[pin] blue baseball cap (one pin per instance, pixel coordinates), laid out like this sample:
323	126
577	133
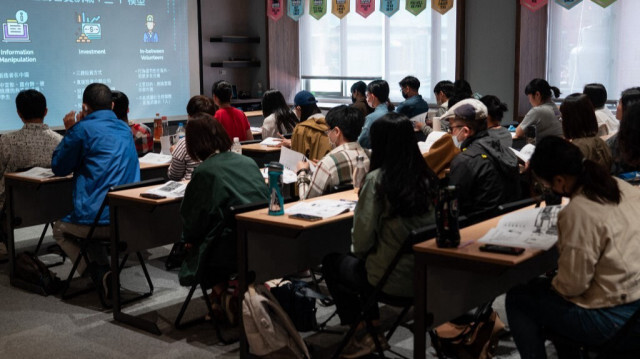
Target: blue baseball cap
304	98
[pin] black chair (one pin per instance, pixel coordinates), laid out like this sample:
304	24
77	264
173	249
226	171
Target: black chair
201	280
341	187
106	242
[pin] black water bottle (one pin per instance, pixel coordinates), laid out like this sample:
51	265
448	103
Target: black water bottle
530	134
448	235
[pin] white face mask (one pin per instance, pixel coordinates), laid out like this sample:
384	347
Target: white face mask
456	142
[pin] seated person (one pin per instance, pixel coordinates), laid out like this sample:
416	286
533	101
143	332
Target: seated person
440	155
394	200
309	137
495	112
608	124
485	173
620	165
378	99
413	105
223	179
629	137
28	147
141	133
580	126
544	116
182	165
596	288
98	150
234	121
358	98
336	168
443	91
278	118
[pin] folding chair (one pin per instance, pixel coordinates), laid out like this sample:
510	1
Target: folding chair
106	242
201	279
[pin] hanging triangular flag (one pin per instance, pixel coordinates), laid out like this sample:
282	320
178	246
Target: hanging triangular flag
317	8
442	6
389	7
568	4
416	6
274	9
604	3
340	8
365	7
295	9
533	5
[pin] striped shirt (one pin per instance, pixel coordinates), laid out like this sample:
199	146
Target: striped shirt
181	166
336	168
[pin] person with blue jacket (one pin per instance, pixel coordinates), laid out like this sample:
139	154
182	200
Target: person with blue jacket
413	105
378	98
99	150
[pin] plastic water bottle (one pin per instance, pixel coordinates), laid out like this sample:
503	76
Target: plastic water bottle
236	146
276	201
165	139
448	235
180	132
358	173
157	127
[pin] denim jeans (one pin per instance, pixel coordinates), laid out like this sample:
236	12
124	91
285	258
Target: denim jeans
535	310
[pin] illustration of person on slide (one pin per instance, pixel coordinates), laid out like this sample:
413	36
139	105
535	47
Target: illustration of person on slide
150	35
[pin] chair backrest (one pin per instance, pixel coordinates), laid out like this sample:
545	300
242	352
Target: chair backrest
341	188
480	216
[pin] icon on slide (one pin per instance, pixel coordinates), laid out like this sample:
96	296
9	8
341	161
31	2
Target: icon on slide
90	28
16	30
150	35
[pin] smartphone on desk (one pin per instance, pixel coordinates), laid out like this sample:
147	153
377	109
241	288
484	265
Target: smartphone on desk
305	217
151	195
515	251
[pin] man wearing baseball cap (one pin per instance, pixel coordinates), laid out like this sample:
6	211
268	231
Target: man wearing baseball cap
485	173
309	137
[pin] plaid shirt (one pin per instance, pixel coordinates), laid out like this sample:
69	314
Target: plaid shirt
336	168
142	138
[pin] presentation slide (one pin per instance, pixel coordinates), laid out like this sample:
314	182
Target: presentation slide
147	49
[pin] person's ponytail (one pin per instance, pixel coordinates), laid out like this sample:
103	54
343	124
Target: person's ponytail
597	184
556	91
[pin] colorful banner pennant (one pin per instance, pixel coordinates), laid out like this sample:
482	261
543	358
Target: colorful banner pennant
295	9
390	7
442	6
274	9
340	8
568	4
533	5
365	7
317	8
416	6
604	3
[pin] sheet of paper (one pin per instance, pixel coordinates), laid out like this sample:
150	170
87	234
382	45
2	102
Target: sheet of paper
271	141
256	129
434	136
171	189
290	158
323	208
525	152
534	228
38	172
155	158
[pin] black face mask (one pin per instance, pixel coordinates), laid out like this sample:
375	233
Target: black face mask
405	95
353	99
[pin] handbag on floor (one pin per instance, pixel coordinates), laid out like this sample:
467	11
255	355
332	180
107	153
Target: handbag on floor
31	270
299	301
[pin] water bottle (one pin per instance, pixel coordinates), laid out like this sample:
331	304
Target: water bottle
358	173
165	139
448	235
530	134
180	132
276	202
157	127
236	146
259	86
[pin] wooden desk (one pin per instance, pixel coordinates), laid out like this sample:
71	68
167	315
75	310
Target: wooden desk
31	201
274	246
261	154
141	223
450	282
149	171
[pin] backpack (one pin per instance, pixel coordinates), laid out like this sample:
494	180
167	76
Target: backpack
31	270
299	301
270	333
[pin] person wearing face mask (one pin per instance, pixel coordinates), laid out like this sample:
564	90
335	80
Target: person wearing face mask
337	166
485	172
596	289
378	98
358	98
414	104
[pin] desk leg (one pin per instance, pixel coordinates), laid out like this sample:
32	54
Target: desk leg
242	284
420	308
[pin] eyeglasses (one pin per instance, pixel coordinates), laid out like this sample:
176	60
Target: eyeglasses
451	128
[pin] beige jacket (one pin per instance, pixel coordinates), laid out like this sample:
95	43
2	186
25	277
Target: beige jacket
599	247
310	139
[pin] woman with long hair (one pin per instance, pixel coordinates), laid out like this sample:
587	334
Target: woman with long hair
377	98
597	285
278	118
544	116
396	197
580	126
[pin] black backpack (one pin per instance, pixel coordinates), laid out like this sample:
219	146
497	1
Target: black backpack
31	270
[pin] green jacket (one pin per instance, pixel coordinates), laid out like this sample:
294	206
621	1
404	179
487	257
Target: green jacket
221	181
377	236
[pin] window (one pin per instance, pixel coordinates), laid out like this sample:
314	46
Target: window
593	44
336	53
